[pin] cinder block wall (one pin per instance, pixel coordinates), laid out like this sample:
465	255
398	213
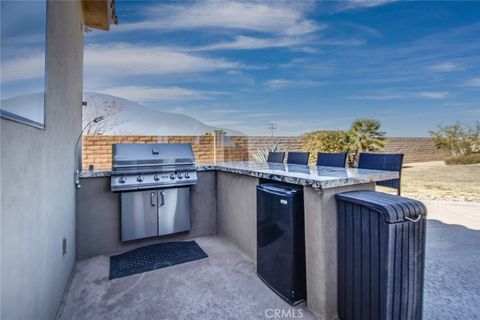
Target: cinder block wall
415	149
97	149
287	143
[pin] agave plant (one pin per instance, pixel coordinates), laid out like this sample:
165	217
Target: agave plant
262	154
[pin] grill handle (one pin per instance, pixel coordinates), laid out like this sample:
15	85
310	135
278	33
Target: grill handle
162	196
153	199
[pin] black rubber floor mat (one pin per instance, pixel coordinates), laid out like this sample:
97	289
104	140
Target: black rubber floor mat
153	257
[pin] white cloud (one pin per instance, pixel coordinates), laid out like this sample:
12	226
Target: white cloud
295	43
23	68
404	95
343	42
282	24
361	29
241	77
277	84
285	23
434	94
246	42
146	94
358	4
380	97
446	67
278	18
123	60
474	82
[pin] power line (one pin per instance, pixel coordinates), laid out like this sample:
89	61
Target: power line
272	126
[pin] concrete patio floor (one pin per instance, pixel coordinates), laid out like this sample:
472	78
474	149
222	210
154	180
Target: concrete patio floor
225	286
452	270
222	286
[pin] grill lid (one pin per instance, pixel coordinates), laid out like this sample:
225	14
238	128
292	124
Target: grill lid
150	166
133	157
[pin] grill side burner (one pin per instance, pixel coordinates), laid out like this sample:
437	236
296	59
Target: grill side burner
154	181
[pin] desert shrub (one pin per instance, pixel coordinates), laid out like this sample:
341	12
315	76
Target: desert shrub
363	136
472	158
458	139
324	141
261	155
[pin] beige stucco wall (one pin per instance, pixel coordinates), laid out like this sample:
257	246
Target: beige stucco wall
37	189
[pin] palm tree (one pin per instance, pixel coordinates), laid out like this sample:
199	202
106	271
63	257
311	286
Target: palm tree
365	135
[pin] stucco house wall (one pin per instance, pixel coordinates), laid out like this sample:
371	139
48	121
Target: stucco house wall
37	187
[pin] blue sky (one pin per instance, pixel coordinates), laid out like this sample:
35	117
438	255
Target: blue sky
304	65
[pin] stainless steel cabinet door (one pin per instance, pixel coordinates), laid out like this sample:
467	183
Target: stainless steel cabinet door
173	210
139	215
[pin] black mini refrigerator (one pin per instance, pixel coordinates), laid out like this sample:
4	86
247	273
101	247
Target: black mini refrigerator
281	240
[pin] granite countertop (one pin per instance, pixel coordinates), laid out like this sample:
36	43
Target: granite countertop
95	174
107	173
315	177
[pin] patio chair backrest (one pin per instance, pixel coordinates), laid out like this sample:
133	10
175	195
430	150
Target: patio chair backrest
276	157
383	161
298	158
331	159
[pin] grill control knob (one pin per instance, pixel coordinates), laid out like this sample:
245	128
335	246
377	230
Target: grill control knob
187	175
179	175
172	176
139	178
156	178
122	180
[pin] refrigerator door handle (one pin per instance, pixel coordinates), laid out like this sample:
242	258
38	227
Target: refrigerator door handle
276	191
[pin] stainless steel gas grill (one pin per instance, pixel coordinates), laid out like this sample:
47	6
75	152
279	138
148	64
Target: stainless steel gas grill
154	181
147	166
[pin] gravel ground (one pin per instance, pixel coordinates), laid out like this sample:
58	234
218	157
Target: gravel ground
437	181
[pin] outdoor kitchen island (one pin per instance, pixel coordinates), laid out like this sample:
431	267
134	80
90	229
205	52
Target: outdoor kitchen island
234	185
236	206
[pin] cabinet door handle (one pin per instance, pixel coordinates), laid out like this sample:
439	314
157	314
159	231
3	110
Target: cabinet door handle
153	199
162	196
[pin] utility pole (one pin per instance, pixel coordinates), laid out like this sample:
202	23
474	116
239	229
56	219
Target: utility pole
272	126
